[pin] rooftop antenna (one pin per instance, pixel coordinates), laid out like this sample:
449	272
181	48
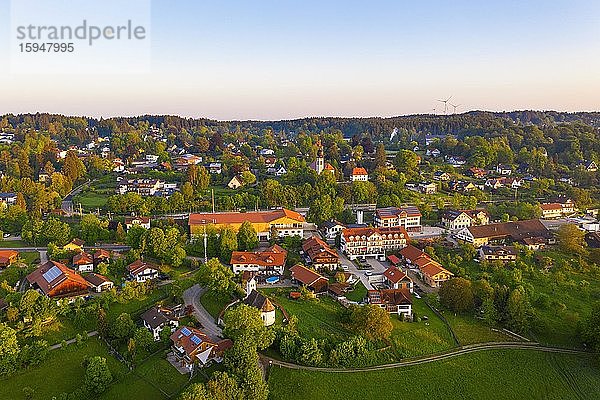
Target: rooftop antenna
455	107
445	104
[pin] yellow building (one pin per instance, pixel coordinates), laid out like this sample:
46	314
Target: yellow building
75	245
280	222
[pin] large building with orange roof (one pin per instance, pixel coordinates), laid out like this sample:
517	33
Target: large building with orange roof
279	223
372	242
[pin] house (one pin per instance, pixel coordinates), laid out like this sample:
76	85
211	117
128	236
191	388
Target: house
319	164
215	168
83	262
8	257
269	261
338	290
372	242
193	348
281	222
431	271
101	256
313	281
476	172
236	182
266	152
456	161
258	300
394	301
433	153
560	208
531	232
118	165
512	183
144	222
494	183
589	166
98	283
503	169
396	279
320	255
441	176
56	280
359	174
458	219
158	318
427	187
331	229
462	187
8	199
75	245
408	217
141	271
500	253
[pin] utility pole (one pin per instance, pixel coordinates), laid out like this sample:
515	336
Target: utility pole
212	195
205	244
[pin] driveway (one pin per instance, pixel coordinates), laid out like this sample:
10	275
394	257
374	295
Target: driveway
192	297
353	270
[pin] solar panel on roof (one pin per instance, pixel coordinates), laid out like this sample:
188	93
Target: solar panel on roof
196	339
52	274
186	332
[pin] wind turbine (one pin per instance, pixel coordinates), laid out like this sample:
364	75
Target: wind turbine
455	106
445	104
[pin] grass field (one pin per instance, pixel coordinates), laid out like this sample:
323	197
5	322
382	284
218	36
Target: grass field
470	330
316	318
90	200
61	372
358	293
498	375
213	304
411	339
11	244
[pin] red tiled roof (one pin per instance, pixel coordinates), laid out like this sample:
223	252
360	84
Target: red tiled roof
305	275
393	297
6	255
66	274
315	247
185	341
394	274
96	279
238	218
138	266
393	259
273	256
359	171
82	259
551	206
411	253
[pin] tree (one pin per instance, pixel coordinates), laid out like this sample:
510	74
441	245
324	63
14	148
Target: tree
217	277
489	312
591	328
246	237
228	243
97	375
457	294
571	238
120	235
518	310
311	353
246	321
371	321
9	349
92	228
73	167
406	161
135	235
380	156
123	327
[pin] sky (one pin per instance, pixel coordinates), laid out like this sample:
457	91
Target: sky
281	59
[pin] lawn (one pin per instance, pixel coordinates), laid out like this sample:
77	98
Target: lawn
90	200
213	303
498	375
137	306
411	339
159	371
318	318
61	372
11	244
470	330
357	294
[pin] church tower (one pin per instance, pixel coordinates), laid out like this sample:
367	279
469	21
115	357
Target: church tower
320	163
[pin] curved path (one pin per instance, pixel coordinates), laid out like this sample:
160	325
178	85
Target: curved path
427	359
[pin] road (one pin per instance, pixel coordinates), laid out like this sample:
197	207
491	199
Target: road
59	345
427	359
67	202
192	297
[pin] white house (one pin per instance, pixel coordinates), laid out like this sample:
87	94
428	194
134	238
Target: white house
141	271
